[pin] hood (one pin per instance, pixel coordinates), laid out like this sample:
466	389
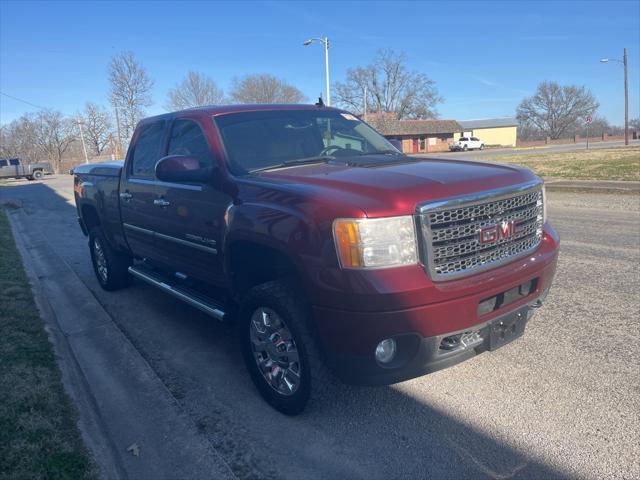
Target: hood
397	188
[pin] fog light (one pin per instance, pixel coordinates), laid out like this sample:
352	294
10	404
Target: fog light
386	350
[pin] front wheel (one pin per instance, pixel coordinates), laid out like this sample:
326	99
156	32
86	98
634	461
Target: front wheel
481	147
278	348
464	149
111	267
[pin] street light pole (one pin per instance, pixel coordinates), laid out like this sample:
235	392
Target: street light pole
626	92
626	100
326	68
325	42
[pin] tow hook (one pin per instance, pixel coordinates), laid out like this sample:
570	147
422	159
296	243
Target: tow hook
536	304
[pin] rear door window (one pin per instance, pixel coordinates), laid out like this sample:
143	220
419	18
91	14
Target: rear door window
3	163
147	150
188	139
14	162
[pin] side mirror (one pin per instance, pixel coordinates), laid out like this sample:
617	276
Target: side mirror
181	168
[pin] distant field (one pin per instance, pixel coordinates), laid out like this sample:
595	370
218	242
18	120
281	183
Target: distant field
622	163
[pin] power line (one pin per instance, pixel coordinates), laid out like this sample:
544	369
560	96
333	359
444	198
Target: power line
23	101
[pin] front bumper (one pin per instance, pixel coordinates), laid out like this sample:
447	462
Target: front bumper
419	356
349	337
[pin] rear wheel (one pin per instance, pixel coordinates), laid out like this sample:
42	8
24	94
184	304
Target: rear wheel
37	175
278	348
481	147
111	267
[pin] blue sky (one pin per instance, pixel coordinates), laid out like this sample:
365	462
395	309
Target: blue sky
484	56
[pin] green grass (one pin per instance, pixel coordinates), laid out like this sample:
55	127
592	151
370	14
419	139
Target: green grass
38	433
621	163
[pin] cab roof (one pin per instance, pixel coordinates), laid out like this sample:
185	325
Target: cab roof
215	110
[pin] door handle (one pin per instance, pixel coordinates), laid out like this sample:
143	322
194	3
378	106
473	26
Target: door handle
161	202
126	196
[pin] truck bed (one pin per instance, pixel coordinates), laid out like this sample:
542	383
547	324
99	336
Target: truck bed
96	189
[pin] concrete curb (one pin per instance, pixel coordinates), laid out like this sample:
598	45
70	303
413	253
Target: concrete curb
121	400
597	186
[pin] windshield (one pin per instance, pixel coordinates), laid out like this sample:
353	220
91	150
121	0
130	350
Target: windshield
271	139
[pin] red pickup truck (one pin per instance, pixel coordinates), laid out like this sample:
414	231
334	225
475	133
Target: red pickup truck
335	253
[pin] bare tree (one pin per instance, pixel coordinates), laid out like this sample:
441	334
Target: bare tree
195	90
390	87
264	88
54	134
17	139
98	128
130	91
557	110
634	123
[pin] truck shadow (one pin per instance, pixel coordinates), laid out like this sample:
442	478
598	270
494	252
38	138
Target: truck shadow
351	432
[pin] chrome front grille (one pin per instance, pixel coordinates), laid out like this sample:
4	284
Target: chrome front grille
455	231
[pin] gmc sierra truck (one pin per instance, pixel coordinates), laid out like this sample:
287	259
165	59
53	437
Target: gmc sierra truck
14	168
333	252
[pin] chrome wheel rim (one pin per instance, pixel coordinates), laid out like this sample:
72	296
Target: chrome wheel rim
101	260
275	351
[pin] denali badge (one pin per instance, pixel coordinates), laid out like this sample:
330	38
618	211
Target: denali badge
501	231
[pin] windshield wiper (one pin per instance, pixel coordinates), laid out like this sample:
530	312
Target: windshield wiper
296	161
383	152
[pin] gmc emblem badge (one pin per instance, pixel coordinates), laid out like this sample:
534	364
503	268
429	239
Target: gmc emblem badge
500	231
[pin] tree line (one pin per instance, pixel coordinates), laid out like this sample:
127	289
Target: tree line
385	85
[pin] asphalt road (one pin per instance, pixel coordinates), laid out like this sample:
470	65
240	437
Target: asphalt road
561	402
497	152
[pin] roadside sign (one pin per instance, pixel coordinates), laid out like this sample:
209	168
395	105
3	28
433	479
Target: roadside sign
589	119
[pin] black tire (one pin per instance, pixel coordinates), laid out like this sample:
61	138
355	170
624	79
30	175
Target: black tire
481	147
464	148
113	273
37	175
285	300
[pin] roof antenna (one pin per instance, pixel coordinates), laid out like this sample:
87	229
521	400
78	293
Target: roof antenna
320	102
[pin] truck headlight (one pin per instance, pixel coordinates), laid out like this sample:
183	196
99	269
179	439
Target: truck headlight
376	242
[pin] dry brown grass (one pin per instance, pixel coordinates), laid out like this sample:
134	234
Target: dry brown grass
622	163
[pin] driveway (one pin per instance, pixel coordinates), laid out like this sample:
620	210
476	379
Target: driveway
561	402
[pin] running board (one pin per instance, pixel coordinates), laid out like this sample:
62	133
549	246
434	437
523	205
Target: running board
194	299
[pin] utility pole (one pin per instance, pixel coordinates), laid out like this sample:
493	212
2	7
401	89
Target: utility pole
84	147
626	100
364	101
119	145
626	91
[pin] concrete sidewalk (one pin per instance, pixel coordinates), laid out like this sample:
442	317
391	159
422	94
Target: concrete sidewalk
131	423
593	185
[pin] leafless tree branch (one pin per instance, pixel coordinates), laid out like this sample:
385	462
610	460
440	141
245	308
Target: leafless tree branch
130	90
195	90
264	88
390	86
